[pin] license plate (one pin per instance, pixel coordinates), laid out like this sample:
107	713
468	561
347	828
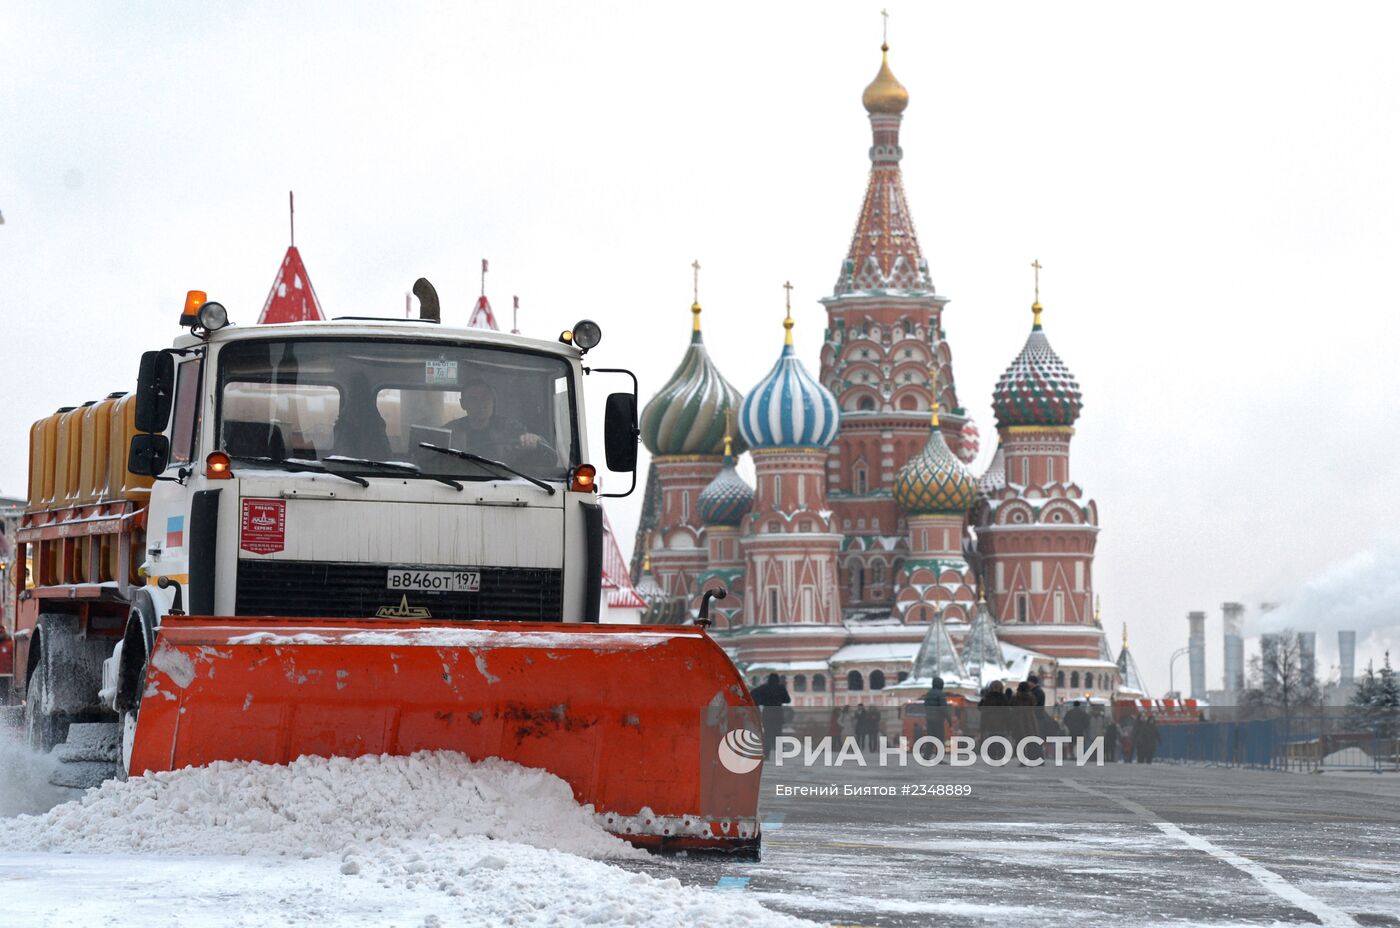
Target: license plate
435	581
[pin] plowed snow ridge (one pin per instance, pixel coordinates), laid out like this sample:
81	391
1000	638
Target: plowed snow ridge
477	844
316	806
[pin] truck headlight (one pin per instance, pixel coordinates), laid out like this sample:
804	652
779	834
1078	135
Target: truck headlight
587	334
213	316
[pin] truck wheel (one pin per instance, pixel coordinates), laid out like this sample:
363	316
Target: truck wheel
42	728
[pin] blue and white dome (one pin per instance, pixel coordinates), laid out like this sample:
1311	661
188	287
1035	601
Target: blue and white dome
789	408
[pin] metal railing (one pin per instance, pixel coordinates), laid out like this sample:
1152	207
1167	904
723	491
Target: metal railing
1303	744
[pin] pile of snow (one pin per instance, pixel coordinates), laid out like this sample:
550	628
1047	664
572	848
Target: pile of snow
432	839
316	806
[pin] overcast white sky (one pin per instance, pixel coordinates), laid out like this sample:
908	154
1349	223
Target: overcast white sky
1212	189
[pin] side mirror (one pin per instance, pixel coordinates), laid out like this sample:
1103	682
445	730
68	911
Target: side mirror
149	455
620	433
155	390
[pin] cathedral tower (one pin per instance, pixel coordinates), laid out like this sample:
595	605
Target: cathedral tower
884	352
683	427
723	505
935	490
1035	530
790	547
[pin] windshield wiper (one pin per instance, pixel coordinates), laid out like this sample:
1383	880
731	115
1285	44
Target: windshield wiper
478	459
296	464
400	466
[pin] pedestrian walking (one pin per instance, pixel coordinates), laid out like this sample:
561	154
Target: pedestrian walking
848	726
862	726
1112	741
1023	723
993	718
1076	721
936	711
1148	738
771	697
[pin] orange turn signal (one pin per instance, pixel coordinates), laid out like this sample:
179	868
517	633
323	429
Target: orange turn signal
217	466
585	479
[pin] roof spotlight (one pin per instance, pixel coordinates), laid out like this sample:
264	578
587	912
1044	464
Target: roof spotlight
212	317
587	334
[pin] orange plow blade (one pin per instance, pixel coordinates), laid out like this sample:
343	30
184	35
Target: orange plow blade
633	717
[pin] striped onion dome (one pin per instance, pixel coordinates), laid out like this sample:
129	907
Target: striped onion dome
687	415
728	498
934	481
1037	389
788	408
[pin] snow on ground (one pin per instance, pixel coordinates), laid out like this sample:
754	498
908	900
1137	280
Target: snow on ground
432	839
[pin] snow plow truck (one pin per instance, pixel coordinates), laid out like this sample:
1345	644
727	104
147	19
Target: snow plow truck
363	536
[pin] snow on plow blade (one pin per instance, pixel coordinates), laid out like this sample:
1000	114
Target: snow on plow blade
632	717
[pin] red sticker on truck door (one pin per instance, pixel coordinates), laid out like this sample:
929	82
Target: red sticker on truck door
264	526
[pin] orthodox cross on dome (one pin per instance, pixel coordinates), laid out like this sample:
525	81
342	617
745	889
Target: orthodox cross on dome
484	268
1035	307
885	28
728	432
292	217
787	321
695	306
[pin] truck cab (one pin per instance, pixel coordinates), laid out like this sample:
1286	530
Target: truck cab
371	468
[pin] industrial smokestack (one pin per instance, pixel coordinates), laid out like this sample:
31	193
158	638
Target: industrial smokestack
1346	647
1197	642
1234	647
1307	656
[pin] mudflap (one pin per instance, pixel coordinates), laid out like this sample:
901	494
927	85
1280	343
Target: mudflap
651	725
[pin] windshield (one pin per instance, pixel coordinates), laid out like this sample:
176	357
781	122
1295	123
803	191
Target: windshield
378	401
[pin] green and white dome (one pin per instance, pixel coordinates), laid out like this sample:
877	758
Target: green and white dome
687	415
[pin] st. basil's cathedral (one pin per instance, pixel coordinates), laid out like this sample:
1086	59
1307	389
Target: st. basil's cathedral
868	558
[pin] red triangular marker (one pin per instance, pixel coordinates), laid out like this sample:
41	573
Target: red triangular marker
292	298
482	317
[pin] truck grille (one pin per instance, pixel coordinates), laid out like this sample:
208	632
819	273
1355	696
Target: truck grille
338	590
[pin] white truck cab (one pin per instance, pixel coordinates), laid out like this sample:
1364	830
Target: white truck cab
369	468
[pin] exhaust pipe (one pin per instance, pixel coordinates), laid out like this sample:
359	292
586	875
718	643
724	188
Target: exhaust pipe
715	592
429	310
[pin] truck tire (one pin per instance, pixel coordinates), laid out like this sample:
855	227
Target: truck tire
136	644
43	728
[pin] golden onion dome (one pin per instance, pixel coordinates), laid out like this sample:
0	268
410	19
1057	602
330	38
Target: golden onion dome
885	94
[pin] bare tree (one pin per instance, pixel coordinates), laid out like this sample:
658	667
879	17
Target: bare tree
1281	677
